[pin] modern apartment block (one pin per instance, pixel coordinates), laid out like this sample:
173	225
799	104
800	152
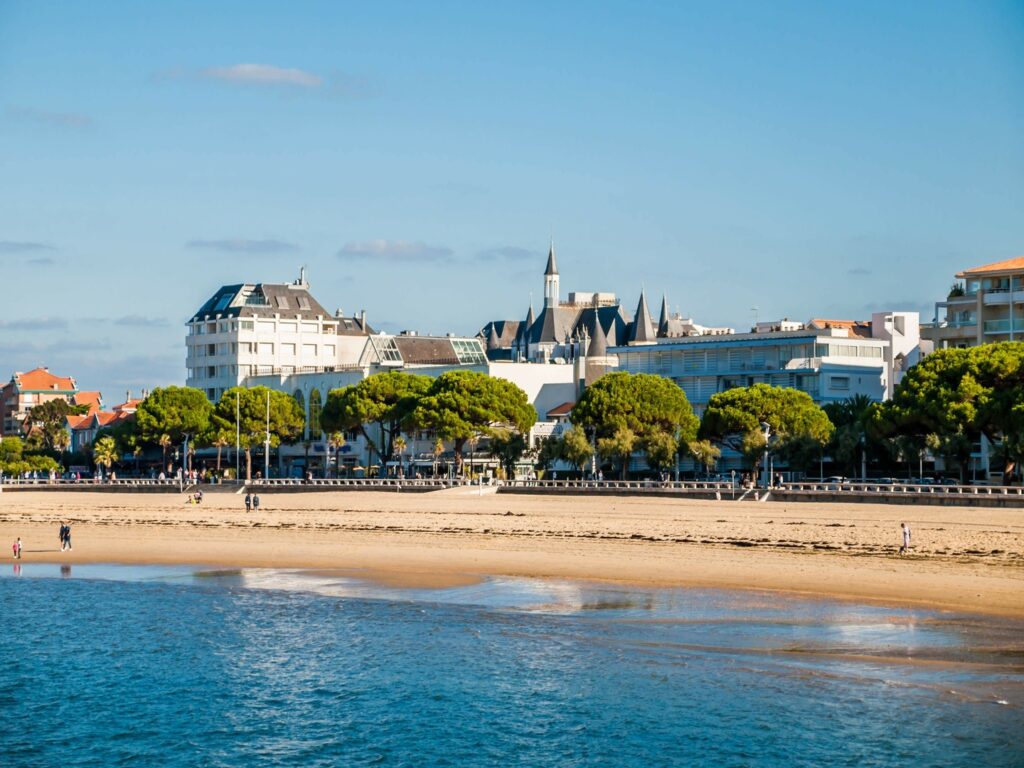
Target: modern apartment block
265	328
987	306
29	389
831	360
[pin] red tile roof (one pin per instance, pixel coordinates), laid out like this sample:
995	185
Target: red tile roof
1007	265
128	405
92	399
40	379
561	410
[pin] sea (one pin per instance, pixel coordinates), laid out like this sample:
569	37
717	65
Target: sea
108	665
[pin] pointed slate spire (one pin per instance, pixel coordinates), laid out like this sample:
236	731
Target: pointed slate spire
552	268
492	339
599	341
643	329
663	322
529	317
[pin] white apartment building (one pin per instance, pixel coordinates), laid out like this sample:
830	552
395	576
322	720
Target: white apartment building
253	329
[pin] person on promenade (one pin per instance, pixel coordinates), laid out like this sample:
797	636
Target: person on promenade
906	538
248	503
255	503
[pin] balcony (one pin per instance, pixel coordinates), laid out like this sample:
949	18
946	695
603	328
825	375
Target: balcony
1004	326
1002	297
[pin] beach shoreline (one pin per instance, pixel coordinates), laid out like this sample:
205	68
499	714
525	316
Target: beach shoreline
965	560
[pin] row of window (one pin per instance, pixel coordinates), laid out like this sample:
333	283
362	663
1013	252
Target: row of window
262	348
263	326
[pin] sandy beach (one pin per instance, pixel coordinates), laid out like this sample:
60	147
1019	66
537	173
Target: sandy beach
963	559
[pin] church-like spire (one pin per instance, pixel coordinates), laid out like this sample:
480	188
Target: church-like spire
599	341
643	328
663	322
530	317
552	268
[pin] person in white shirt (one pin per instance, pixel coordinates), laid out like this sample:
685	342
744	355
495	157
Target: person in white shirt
906	538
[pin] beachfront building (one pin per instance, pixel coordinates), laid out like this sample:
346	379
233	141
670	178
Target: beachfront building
546	387
254	329
985	305
26	390
586	325
831	360
84	428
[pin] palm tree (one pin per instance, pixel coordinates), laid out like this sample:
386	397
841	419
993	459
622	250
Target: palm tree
400	446
337	442
104	452
220	441
438	450
165	444
705	452
61	440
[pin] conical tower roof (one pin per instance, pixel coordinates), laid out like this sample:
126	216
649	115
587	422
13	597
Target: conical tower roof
599	341
643	329
663	322
552	268
530	317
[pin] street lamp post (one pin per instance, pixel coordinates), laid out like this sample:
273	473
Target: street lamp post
266	451
767	435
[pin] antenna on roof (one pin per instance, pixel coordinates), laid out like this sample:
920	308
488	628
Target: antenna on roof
302	276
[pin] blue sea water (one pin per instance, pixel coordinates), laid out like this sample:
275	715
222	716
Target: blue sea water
116	665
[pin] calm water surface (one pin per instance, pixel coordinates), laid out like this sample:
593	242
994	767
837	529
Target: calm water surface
117	665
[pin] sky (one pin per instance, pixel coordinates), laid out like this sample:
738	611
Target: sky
808	159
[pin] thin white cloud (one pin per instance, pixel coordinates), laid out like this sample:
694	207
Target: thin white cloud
139	321
263	74
509	253
395	250
24	246
48	117
34	324
243	245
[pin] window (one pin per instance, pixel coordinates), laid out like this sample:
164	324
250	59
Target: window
469	351
222	327
288	350
309	350
288	327
330	350
211	371
840	382
282	302
303	302
310	328
266	348
265	326
211	349
211	394
234	348
222	302
246	325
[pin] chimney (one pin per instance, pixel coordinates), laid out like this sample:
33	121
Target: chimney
362	318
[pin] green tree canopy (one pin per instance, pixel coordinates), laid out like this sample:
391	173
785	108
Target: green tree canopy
48	422
733	419
575	448
384	400
175	412
953	396
287	421
104	451
508	447
461	405
653	409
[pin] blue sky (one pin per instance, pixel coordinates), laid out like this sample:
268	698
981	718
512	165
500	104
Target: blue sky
807	158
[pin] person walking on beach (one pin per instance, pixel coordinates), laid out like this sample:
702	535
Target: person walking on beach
255	503
14	550
17	549
60	535
66	540
248	503
906	538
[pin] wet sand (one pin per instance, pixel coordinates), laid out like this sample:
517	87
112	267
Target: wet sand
965	559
